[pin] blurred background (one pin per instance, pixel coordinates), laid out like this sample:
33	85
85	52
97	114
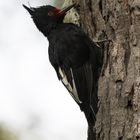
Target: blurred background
34	105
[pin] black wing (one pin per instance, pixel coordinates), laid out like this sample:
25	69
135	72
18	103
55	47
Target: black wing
76	60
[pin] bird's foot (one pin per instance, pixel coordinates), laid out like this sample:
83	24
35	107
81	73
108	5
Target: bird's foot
101	41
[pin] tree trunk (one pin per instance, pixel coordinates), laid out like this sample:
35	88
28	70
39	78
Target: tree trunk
118	116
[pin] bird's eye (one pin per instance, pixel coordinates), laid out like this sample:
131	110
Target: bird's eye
50	13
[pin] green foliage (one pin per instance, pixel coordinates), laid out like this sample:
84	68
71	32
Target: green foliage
58	3
6	134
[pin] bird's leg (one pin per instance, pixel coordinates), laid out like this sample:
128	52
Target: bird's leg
105	49
99	42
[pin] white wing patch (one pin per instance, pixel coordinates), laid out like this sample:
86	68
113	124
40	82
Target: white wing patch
72	89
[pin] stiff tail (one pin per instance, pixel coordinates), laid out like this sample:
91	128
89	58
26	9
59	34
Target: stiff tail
91	133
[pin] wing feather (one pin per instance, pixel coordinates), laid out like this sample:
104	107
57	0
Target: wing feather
71	87
85	82
80	84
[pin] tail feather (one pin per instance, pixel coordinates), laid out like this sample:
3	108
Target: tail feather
91	133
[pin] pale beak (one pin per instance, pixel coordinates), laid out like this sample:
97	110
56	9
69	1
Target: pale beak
65	9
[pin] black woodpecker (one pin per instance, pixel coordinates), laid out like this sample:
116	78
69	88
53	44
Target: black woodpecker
74	56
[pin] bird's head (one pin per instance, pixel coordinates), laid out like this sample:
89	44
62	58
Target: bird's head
47	17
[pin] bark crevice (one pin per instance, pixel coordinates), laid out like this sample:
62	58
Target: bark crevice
118	117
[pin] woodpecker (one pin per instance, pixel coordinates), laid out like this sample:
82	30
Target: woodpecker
74	56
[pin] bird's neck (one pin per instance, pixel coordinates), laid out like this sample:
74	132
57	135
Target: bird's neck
50	28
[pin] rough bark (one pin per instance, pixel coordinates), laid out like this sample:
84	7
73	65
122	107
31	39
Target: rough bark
118	117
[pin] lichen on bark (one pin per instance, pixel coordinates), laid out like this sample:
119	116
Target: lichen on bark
72	15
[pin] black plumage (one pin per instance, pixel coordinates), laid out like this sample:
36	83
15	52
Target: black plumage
75	58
